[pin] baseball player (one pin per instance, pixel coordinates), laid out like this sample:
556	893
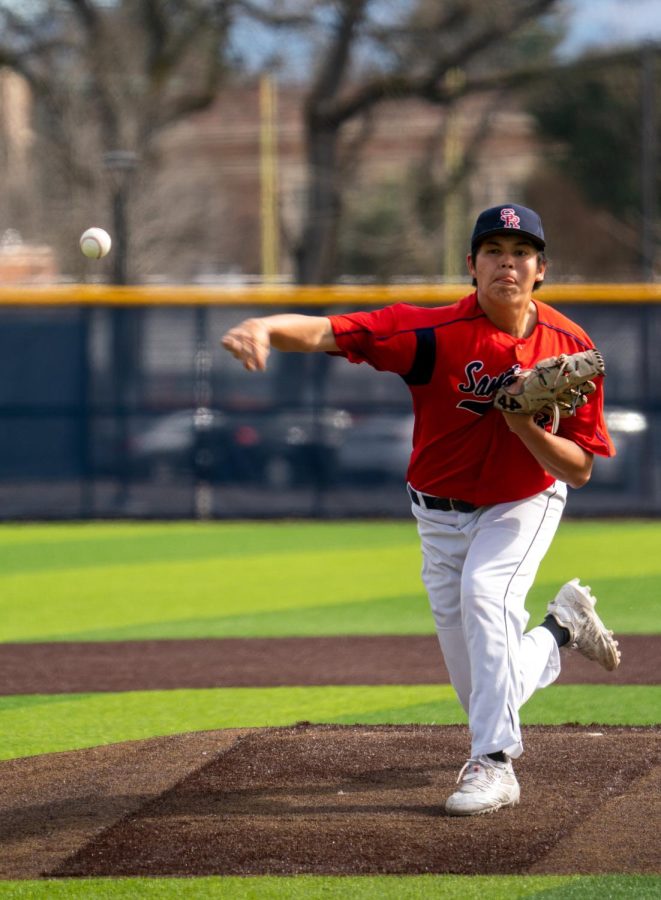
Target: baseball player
487	482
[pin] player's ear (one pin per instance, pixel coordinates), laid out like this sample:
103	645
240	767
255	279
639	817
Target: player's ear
541	268
470	265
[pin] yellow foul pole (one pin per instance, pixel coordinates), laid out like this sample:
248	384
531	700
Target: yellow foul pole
453	258
268	158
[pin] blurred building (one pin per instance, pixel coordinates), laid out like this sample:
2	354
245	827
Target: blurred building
197	205
15	127
221	146
21	262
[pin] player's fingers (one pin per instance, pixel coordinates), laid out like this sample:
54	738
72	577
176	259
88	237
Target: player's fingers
249	343
239	352
250	352
260	355
232	343
238	344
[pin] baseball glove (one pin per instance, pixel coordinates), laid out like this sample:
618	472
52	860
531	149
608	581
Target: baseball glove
556	387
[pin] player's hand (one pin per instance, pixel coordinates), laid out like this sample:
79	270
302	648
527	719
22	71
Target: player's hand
518	423
249	342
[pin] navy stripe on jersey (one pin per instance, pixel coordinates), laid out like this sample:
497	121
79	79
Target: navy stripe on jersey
425	357
431	327
601	438
387	337
568	333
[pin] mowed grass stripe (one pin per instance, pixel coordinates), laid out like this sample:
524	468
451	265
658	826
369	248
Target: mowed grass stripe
313	887
36	724
58	604
126	581
32	548
604	548
403	614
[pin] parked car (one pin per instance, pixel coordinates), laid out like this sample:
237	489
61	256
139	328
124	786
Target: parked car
302	446
377	448
276	448
200	442
627	428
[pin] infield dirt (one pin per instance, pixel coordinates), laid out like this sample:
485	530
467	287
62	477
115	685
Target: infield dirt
330	800
337	800
67	667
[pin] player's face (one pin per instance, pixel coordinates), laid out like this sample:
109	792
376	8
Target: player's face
506	267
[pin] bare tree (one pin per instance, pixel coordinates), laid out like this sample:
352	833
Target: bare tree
106	79
368	52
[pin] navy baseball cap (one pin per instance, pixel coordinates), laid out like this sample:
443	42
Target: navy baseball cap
507	219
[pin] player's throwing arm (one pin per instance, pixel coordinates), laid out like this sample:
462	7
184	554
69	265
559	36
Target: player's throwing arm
251	340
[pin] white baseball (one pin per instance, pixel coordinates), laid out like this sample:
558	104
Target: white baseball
95	243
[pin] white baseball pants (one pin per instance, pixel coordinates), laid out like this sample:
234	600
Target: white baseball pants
478	568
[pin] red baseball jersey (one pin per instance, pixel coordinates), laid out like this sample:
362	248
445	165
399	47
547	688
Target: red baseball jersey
453	360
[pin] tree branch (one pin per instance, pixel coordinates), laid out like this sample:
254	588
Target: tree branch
183	104
96	49
87	13
156	26
447	19
351	151
275	19
428	85
526	75
35	43
332	71
487	37
441	92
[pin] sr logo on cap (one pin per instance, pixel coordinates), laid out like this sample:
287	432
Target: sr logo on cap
501	219
510	218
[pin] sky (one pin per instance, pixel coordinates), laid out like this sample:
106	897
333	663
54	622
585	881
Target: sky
592	24
596	23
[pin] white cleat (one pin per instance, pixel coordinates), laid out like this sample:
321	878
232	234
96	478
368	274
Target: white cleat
485	786
573	609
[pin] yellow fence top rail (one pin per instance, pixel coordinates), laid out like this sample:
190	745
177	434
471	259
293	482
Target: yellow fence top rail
296	295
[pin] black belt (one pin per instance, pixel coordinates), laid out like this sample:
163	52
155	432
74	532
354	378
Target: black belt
445	504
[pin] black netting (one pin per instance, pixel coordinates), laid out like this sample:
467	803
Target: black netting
112	412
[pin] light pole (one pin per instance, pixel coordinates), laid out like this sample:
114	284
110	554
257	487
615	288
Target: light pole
649	160
120	166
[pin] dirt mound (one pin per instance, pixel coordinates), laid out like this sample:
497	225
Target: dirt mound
332	800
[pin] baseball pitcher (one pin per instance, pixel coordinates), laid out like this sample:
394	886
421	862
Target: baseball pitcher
508	401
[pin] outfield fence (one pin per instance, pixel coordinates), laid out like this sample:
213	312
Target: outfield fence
119	402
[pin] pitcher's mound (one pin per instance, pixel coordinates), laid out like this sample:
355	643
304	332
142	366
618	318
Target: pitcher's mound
369	799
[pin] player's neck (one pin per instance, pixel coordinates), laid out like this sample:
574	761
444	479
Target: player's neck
517	319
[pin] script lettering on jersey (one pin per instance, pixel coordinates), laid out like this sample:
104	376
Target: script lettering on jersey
484	386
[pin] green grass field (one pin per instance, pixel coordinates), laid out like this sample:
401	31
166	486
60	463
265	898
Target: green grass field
306	887
129	581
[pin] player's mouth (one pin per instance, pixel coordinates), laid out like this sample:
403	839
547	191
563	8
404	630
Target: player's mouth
506	279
